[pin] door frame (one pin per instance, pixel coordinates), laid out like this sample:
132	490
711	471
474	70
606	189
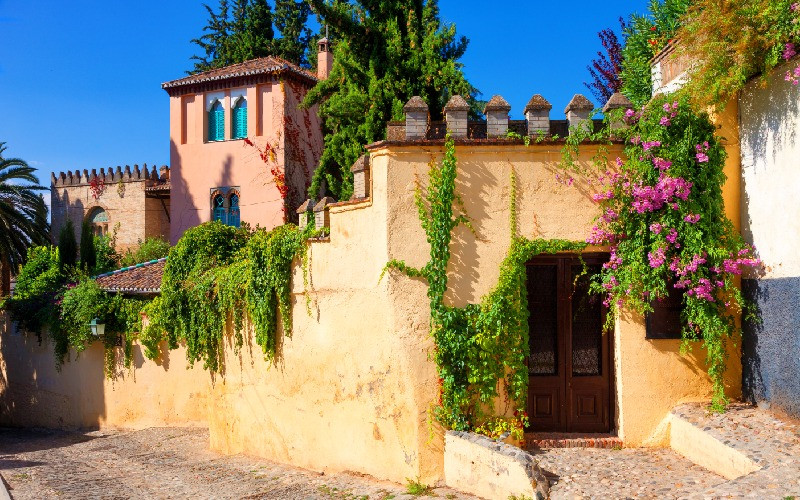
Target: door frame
564	345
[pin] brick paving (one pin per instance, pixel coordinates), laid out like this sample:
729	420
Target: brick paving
165	463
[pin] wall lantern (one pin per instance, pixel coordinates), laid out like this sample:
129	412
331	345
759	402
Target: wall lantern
98	328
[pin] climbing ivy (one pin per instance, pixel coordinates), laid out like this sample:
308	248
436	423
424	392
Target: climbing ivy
218	273
482	347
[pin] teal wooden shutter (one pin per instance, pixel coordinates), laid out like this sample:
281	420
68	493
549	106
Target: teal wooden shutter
240	120
216	123
233	211
219	212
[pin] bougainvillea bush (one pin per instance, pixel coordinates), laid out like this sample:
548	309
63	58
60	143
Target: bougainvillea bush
663	217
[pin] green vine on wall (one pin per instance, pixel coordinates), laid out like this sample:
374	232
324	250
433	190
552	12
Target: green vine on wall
218	273
479	348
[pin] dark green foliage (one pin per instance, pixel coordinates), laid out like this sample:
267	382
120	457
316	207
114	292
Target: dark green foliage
67	245
150	249
23	213
384	53
291	19
88	250
240	30
644	37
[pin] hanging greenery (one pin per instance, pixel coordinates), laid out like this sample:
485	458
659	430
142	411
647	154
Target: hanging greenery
663	217
216	273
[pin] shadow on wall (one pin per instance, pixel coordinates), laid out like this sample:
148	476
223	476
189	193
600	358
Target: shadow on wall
771	346
184	213
766	110
63	210
33	393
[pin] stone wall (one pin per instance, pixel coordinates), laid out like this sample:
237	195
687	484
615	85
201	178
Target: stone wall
481	466
770	147
131	213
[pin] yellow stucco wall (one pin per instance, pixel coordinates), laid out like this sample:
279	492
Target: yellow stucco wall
354	385
34	394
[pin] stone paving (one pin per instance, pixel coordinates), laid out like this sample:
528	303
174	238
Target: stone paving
165	463
770	442
175	463
624	473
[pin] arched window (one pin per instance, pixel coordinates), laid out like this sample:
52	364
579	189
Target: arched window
220	212
98	218
233	210
225	206
240	119
216	122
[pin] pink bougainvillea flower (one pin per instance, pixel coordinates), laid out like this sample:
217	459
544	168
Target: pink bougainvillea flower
692	218
661	163
789	51
665	122
656	228
702	158
657	258
650	145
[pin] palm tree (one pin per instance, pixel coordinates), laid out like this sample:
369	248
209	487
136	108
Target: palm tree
23	212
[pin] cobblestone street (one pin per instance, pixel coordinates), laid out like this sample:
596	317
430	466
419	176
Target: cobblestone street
164	463
176	463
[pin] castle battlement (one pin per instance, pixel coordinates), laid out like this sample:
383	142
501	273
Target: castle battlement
152	175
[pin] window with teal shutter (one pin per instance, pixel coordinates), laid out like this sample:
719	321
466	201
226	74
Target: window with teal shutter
220	212
240	119
216	122
233	211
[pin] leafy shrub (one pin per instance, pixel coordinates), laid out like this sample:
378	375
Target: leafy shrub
39	283
150	249
107	258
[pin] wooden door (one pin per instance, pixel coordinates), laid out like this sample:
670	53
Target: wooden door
569	366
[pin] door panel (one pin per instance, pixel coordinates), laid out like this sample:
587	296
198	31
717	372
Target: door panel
569	366
546	389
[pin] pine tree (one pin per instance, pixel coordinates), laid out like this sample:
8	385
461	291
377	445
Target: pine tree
385	52
291	19
245	29
214	41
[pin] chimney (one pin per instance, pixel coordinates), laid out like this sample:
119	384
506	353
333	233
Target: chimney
324	57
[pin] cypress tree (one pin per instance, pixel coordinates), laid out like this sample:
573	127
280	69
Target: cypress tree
67	246
385	52
88	251
215	40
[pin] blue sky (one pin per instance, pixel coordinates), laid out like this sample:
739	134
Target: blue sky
81	79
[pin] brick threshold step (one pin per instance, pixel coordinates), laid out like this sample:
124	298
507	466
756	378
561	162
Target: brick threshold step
544	440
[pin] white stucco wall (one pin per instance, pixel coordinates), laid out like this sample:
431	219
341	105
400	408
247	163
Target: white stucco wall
770	138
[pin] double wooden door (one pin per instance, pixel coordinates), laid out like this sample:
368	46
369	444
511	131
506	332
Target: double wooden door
569	366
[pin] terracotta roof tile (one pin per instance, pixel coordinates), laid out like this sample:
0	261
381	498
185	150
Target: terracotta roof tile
142	278
260	66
